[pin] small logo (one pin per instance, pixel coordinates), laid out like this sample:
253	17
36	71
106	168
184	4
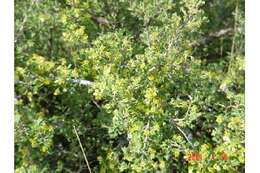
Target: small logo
196	156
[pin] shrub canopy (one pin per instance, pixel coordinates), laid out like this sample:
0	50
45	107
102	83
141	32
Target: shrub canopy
150	86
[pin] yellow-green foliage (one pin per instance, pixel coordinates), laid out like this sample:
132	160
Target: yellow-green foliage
154	97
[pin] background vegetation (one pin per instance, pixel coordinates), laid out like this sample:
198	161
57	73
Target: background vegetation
145	84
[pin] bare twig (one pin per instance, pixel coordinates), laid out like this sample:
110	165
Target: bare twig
178	119
211	36
98	106
222	32
85	157
101	20
76	81
185	136
235	29
82	82
146	127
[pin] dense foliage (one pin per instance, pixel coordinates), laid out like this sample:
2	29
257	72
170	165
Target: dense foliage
149	86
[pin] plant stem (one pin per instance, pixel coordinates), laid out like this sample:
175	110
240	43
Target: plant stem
85	157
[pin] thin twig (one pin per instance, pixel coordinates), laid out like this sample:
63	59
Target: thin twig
76	81
185	136
82	82
146	137
146	127
98	106
235	30
85	157
211	36
178	119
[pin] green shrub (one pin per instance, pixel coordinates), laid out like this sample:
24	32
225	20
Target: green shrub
132	80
